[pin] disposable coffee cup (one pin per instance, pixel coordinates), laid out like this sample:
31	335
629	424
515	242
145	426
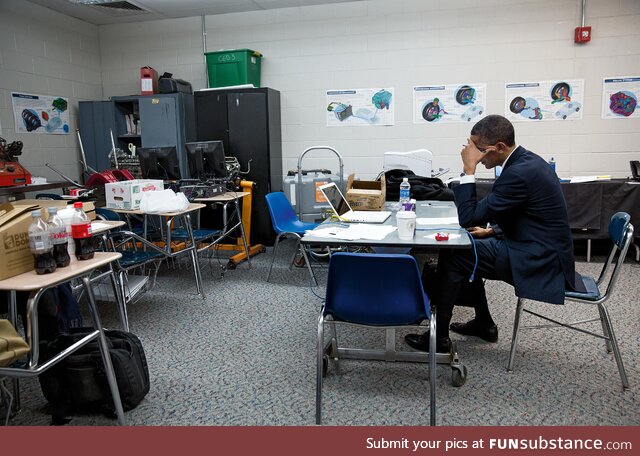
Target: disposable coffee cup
406	223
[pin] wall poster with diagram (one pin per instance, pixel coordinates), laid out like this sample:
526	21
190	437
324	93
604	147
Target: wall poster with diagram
360	107
544	100
446	103
620	97
40	113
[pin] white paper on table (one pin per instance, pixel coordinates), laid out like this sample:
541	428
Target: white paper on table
580	179
437	221
353	232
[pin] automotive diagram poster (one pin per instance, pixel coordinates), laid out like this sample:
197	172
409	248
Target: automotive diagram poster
360	107
449	103
544	100
620	97
40	113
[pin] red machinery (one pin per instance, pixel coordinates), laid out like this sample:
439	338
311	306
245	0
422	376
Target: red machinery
11	172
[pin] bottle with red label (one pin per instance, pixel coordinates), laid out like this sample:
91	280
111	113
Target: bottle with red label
59	238
81	233
40	245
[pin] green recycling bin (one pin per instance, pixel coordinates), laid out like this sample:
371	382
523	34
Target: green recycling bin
233	67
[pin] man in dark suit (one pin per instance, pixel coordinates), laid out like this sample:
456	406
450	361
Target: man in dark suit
535	252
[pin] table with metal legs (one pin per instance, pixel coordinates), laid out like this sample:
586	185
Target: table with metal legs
37	285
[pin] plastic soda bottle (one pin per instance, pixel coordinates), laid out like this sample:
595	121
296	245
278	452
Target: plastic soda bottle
552	163
59	238
40	244
81	233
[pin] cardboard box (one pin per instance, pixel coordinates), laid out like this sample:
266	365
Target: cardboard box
128	194
14	240
148	81
363	195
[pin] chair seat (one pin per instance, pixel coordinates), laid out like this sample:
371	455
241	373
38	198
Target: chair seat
137	258
592	292
296	226
198	235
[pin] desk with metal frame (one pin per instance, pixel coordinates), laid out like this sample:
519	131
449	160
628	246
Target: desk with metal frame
190	245
224	199
421	240
37	285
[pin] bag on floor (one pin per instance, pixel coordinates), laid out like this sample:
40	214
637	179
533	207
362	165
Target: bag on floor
79	383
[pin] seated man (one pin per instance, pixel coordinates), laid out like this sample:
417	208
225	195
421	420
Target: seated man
535	253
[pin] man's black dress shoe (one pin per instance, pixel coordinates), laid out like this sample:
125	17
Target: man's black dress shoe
421	342
472	328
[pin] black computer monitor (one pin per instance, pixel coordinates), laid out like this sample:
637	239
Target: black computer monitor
159	163
206	159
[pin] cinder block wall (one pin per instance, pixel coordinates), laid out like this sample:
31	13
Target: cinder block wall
47	53
384	43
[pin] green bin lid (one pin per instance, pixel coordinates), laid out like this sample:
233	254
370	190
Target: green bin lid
226	51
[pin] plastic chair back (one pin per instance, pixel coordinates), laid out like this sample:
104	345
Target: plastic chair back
283	217
618	227
107	214
375	289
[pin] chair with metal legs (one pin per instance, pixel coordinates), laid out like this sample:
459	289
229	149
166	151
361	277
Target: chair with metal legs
286	223
597	292
392	298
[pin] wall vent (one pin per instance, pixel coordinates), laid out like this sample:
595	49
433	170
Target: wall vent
112	7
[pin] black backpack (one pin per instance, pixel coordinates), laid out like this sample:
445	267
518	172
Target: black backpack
79	383
422	188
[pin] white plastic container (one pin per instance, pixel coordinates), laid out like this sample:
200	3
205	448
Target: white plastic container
406	223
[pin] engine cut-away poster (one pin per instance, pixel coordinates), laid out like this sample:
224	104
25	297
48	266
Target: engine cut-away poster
446	103
40	113
544	100
360	107
620	97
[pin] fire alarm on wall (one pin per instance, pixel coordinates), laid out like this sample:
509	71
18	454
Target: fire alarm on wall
583	34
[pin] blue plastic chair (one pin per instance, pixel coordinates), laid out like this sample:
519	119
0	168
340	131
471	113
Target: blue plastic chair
373	290
621	234
286	223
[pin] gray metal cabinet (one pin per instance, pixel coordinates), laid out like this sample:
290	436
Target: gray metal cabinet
142	120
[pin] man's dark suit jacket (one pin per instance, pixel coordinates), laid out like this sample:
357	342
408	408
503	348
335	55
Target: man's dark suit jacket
527	203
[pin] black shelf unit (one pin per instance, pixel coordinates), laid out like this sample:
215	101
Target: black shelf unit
248	123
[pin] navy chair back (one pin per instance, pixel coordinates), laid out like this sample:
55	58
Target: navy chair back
375	289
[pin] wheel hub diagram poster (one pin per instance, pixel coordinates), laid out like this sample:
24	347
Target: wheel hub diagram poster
40	114
544	100
620	97
360	107
449	103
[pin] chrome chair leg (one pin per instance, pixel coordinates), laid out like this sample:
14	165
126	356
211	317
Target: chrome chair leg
273	257
616	349
319	362
6	398
514	338
432	366
605	329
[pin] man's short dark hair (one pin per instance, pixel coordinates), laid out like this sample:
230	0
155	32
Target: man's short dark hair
493	129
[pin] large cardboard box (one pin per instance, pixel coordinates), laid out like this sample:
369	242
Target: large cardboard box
128	194
14	240
364	195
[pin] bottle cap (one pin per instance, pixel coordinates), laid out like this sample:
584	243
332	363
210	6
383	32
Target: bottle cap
77	205
405	179
36	213
52	210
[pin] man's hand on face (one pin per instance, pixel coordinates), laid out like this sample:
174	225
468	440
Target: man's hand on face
471	156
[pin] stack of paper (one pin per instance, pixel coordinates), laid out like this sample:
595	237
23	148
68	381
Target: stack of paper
352	232
580	179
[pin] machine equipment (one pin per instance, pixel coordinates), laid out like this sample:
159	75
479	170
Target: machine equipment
11	172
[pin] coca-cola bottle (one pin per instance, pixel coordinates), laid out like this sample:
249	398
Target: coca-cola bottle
40	244
59	238
81	233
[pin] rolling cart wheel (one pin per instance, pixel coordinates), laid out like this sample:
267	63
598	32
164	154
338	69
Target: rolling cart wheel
458	375
298	261
231	264
325	365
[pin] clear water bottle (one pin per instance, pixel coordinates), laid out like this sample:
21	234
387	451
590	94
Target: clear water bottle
59	238
405	192
81	233
552	163
40	244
